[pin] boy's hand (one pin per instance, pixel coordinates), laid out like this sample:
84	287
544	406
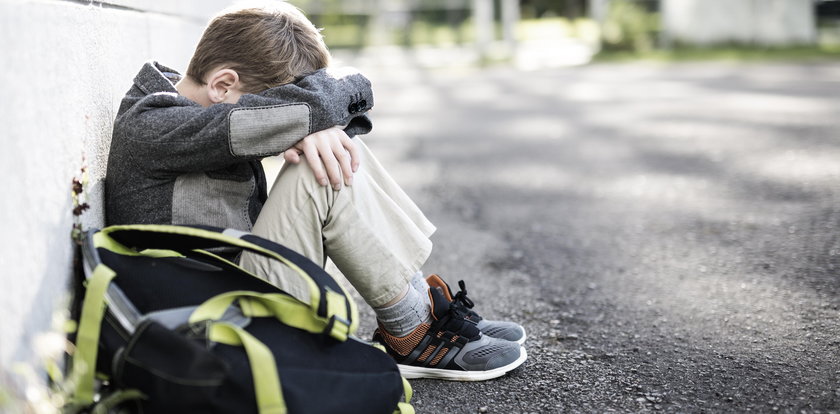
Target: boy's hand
331	150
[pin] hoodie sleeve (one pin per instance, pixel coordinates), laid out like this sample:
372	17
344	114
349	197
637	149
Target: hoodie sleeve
174	134
280	117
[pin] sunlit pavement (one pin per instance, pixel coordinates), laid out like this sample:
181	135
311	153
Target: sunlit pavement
668	234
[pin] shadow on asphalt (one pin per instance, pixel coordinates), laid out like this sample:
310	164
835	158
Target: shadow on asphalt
667	234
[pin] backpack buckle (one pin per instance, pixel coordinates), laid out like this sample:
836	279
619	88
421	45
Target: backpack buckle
338	328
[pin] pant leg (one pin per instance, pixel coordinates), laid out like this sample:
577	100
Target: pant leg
372	231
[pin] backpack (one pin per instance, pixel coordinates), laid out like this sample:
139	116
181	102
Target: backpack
170	326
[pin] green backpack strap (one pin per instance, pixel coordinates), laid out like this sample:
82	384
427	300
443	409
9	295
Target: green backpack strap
267	387
285	308
87	339
404	407
327	297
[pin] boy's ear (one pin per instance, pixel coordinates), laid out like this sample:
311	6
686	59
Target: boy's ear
221	84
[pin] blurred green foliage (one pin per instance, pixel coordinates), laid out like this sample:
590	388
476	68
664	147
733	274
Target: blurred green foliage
558	28
348	23
570	9
725	53
629	27
422	33
5	398
344	31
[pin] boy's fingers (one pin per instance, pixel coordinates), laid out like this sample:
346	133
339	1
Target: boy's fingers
292	156
310	151
350	146
344	159
331	164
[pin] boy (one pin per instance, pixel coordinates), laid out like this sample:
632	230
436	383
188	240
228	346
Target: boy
187	150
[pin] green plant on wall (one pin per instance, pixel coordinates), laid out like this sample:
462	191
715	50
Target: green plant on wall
80	204
629	27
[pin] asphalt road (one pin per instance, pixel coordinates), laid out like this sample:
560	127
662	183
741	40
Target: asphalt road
667	234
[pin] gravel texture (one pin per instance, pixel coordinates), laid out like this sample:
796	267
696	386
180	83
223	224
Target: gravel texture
667	234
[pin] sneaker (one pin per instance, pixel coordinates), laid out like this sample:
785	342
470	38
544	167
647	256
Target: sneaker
450	348
508	331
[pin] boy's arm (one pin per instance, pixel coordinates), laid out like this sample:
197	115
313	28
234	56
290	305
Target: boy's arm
173	134
336	96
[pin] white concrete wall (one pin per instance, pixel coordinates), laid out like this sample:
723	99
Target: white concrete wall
751	22
65	66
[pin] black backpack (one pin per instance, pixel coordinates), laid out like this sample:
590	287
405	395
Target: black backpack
170	326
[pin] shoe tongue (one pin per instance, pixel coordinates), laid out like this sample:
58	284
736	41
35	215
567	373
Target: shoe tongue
440	306
469	330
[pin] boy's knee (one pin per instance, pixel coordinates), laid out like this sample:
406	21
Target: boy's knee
296	173
298	177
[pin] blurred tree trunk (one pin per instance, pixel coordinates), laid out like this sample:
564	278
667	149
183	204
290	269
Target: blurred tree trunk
483	20
510	16
573	9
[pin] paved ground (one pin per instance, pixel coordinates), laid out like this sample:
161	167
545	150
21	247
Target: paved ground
668	235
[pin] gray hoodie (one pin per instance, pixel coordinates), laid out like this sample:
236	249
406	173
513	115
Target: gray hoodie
173	161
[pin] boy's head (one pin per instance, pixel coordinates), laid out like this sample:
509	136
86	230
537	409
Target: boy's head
266	45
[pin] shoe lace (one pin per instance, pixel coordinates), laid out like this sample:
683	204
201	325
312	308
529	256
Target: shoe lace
458	318
461	304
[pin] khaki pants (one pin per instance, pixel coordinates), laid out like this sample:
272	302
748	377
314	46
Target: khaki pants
376	236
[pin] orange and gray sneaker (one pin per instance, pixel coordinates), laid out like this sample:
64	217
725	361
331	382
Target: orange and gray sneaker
450	347
509	331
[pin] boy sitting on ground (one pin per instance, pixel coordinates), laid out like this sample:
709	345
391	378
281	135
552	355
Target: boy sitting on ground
187	150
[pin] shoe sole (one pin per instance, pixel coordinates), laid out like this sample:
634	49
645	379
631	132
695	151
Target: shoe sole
412	372
521	341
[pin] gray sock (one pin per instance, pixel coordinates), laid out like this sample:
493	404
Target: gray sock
403	317
418	282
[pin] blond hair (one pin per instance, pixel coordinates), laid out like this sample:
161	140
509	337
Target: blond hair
267	44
